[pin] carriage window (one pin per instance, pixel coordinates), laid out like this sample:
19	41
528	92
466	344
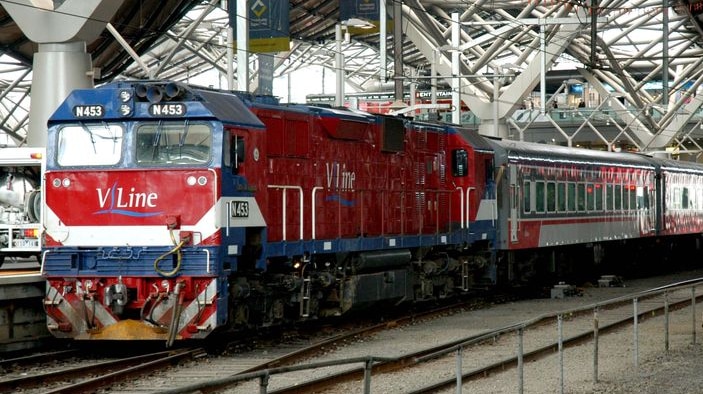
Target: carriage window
632	198
89	144
609	197
642	198
173	143
590	197
572	197
677	197
526	197
539	196
684	198
551	197
561	196
598	190
617	194
581	197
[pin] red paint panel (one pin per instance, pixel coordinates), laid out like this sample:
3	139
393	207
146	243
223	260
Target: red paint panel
682	222
529	234
129	197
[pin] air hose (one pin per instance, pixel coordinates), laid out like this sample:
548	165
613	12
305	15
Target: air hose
176	314
179	257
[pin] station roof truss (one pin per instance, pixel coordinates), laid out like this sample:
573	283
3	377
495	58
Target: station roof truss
503	46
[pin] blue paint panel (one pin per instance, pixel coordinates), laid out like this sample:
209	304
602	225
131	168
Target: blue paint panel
458	237
127	261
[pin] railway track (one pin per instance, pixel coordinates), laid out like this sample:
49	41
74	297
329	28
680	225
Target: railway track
77	371
37	358
204	373
207	371
395	369
91	376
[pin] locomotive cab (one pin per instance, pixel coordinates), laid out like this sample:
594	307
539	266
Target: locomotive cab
135	213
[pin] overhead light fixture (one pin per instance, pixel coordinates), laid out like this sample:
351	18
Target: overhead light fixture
358	23
43	4
449	49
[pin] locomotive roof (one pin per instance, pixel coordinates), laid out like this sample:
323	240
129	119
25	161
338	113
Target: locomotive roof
528	151
224	106
475	139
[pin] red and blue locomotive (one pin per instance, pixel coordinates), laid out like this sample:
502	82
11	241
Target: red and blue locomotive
173	211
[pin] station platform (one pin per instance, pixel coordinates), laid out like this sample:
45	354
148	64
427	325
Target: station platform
22	319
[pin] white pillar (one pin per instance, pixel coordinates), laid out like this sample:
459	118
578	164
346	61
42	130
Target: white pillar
242	46
456	71
339	66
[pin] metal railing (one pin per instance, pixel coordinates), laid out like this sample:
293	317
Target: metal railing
459	347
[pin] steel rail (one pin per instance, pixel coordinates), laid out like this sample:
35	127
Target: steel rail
37	358
130	366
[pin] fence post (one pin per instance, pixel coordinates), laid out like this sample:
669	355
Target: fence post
520	365
560	320
367	375
666	321
693	313
264	382
458	369
595	344
636	332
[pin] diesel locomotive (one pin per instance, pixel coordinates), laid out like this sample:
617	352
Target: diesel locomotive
175	211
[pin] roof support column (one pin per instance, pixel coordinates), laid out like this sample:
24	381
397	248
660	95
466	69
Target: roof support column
242	46
62	63
456	71
339	66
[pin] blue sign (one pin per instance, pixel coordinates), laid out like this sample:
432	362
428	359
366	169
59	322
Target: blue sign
269	28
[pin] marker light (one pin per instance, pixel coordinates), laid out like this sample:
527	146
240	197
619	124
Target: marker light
35	155
190	180
31	233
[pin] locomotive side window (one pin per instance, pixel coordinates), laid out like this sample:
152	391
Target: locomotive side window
89	144
237	152
173	143
460	162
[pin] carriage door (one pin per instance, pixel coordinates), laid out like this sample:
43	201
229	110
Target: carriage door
514	199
